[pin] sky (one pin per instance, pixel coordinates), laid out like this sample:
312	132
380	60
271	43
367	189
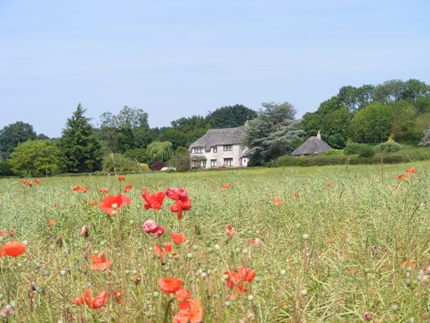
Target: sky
182	58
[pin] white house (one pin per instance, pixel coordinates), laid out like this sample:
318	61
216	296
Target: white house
219	148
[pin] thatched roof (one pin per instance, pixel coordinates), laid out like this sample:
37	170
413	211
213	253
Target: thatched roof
215	137
314	145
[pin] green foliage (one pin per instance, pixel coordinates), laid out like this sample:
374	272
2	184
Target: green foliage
403	126
372	124
230	116
35	158
116	162
334	152
272	133
14	134
159	151
352	148
181	160
366	151
387	147
176	137
5	169
81	151
138	154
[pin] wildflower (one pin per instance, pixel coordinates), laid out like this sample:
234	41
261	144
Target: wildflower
330	185
408	264
277	201
163	251
296	194
255	242
52	222
154	201
112	203
121	178
78	300
227	186
127	188
411	170
230	231
236	279
103	190
92	203
14	248
178	194
178	238
26	183
80	188
117	296
169	285
367	316
150	226
36	181
189	311
183	294
95	302
181	206
402	177
100	262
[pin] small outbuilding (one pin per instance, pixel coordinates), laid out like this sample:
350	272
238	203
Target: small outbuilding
313	146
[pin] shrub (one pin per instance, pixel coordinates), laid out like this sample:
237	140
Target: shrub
157	165
334	152
366	151
119	163
387	147
5	169
425	140
181	160
352	149
137	154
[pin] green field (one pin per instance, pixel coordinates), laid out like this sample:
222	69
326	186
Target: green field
353	246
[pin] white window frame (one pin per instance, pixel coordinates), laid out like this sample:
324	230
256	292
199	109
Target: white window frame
214	149
228	161
228	147
198	150
213	162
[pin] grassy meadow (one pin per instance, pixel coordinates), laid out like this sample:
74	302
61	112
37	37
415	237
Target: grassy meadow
332	243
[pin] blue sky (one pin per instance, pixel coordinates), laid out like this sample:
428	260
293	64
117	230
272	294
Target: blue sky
179	58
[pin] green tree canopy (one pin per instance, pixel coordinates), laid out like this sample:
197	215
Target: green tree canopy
81	151
159	151
230	116
273	133
35	158
14	134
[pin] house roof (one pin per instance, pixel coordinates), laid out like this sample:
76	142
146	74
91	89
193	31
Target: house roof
313	145
214	137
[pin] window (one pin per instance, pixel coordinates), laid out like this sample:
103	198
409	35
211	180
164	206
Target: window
228	147
198	150
214	149
203	163
228	161
213	162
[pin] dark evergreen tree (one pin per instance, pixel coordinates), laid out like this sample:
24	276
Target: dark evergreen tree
81	151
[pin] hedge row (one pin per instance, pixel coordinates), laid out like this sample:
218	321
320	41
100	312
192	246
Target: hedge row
403	156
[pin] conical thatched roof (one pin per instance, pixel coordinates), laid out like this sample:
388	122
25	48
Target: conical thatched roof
314	145
214	137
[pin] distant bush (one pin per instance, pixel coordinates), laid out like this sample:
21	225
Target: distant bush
157	165
181	160
425	140
119	163
5	169
366	151
137	154
387	147
334	152
352	149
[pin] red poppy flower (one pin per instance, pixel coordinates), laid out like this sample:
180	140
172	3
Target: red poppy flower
182	294
411	170
238	278
1	252
255	242
402	177
117	296
80	188
95	302
181	206
178	194
189	311
230	231
277	201
227	186
163	251
112	203
52	222
178	238
78	300
121	178
154	201
296	194
14	248
127	188
103	190
408	264
330	185
100	262
36	181
169	285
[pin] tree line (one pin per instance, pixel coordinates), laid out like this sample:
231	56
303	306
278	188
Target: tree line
366	114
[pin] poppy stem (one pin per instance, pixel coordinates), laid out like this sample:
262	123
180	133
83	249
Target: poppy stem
167	310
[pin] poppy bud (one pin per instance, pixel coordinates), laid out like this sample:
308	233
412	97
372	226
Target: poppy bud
5	311
59	241
85	231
